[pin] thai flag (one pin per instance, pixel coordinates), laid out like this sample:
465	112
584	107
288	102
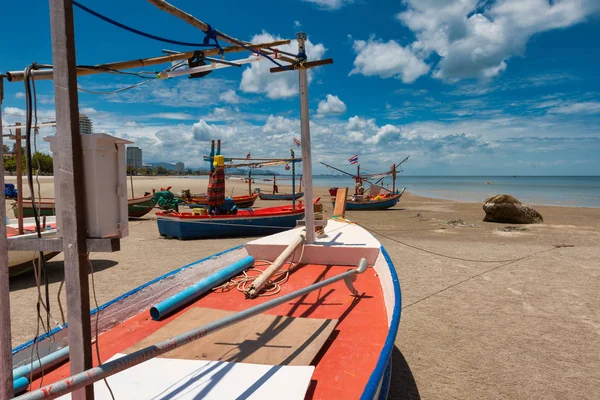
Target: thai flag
353	159
248	156
297	142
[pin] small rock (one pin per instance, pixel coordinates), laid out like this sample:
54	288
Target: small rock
513	229
505	208
458	222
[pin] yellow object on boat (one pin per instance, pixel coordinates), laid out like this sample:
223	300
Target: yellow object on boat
198	211
219	161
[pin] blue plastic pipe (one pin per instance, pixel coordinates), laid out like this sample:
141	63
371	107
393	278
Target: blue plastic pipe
20	385
186	296
46	362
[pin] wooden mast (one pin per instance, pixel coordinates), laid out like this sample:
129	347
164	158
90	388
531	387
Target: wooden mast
309	211
293	180
19	178
394	179
6	375
73	214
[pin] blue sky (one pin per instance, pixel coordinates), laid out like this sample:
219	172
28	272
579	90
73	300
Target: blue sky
466	87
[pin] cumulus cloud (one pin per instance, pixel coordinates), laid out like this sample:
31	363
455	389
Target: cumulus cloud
330	4
476	39
258	79
279	124
230	96
202	131
387	60
332	105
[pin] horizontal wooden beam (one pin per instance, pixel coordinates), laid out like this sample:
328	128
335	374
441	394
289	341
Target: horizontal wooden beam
304	65
56	245
17	76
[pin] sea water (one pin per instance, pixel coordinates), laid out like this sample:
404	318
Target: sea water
574	191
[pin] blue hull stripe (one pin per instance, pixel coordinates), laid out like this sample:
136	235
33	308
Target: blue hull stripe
378	374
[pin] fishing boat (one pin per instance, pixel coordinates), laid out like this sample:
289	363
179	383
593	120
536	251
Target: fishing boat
375	203
243	201
140	206
282	196
326	332
137	207
308	313
21	261
376	197
246	222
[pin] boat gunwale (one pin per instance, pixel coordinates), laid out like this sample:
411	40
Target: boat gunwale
252	214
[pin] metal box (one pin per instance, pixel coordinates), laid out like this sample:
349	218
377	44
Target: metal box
105	185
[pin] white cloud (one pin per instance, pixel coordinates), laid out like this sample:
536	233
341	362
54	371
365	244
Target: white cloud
203	132
14	111
331	105
279	124
386	60
88	111
230	96
173	115
586	107
258	79
19	95
476	39
386	134
297	24
330	4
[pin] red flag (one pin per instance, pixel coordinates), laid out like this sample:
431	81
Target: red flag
297	142
248	156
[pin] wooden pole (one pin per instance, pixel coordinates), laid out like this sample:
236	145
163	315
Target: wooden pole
394	178
293	180
309	212
19	178
131	181
250	181
16	76
190	19
72	196
6	376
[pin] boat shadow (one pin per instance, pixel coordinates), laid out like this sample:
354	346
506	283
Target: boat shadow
56	273
402	381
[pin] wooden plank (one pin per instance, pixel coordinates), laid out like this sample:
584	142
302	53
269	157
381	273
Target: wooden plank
263	339
73	213
339	210
17	76
56	244
304	65
6	377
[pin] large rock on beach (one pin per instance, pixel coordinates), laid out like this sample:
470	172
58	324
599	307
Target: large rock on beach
507	209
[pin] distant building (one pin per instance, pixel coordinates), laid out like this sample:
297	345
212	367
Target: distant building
134	157
85	124
180	168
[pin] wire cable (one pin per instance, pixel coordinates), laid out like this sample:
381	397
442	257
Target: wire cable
136	31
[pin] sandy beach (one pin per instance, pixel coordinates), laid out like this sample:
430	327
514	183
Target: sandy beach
487	313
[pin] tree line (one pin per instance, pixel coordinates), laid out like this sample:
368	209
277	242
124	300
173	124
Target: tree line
41	160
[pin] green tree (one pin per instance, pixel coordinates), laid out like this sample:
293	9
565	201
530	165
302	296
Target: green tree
10	164
5	149
160	170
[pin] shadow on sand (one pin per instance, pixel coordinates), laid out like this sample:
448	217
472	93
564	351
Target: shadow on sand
402	382
55	271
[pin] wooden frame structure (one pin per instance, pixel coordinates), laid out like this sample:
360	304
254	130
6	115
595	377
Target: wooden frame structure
74	242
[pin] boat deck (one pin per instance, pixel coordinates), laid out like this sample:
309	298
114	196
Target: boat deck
342	364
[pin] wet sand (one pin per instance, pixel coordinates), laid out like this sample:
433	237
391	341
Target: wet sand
486	313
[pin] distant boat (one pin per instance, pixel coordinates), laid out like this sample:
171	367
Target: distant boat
371	204
136	207
244	201
248	222
21	261
282	196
